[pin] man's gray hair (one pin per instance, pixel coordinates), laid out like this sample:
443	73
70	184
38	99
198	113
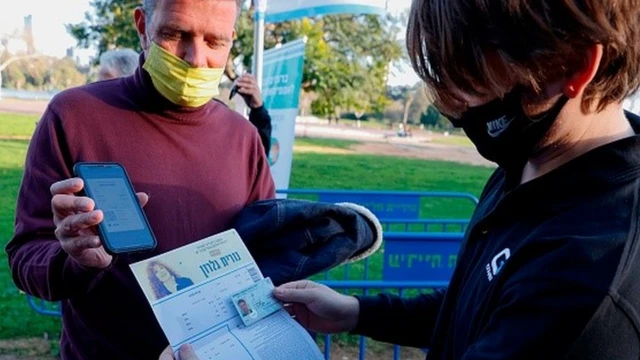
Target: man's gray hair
149	5
119	62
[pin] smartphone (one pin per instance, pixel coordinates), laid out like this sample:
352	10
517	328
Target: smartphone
125	228
234	91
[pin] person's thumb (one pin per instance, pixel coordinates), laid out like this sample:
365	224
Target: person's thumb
143	198
293	294
186	353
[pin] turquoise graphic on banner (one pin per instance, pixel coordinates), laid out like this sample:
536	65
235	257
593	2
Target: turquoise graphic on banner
281	83
281	10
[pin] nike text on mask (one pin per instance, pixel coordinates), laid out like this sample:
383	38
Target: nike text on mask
178	81
503	133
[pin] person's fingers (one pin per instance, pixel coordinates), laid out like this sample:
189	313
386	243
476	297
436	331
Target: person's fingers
77	245
70	204
71	225
247	77
186	353
167	354
247	82
68	186
296	292
143	198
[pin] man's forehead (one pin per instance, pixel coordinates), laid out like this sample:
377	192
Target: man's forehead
215	17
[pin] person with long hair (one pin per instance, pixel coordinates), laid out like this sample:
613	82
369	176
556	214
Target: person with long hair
164	280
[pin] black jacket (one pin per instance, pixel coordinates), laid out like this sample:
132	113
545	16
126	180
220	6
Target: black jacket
261	119
548	270
294	239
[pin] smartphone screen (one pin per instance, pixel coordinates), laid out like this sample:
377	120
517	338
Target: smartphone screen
125	227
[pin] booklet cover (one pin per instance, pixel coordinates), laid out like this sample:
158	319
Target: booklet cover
212	295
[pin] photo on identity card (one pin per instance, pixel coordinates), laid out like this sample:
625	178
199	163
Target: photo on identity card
256	302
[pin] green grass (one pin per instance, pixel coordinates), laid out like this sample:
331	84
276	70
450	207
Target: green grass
310	170
329	143
15	125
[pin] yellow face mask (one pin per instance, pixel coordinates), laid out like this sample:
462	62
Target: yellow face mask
179	82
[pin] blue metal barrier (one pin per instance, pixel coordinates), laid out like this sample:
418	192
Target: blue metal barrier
396	210
405	267
411	262
364	287
416	258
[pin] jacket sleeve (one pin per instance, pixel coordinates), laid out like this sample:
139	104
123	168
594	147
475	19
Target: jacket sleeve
392	319
263	187
261	119
38	264
536	319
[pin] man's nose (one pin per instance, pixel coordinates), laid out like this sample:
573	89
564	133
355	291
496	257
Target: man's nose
195	55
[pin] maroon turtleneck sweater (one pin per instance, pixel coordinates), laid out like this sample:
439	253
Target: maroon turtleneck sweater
201	166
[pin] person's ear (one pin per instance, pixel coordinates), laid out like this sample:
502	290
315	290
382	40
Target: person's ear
140	19
578	81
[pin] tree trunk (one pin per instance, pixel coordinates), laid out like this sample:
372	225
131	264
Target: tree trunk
407	106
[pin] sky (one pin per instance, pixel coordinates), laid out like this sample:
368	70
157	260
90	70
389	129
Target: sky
51	37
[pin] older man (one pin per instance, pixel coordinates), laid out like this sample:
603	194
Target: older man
200	162
117	63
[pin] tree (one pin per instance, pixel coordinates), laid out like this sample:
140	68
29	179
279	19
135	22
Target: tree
43	73
347	58
433	119
110	25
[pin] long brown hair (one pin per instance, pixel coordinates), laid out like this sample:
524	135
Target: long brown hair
157	286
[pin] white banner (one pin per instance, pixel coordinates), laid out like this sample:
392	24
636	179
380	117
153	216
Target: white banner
281	83
283	10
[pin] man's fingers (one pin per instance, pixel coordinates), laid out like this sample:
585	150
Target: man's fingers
68	186
69	204
71	225
143	198
77	245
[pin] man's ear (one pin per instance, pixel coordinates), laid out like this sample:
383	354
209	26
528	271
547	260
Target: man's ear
577	82
141	26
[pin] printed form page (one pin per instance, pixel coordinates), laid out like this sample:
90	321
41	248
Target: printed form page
194	293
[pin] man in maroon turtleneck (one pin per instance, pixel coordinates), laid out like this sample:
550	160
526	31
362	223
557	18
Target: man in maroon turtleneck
195	162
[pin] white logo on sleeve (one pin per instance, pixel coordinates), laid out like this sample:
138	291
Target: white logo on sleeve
497	263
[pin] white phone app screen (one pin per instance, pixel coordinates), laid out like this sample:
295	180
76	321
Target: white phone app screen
111	196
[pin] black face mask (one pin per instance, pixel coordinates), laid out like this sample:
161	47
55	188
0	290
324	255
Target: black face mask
503	133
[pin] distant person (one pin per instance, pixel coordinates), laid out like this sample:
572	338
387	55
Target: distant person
258	116
164	281
117	63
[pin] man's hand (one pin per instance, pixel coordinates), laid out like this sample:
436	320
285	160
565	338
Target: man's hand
75	218
318	308
248	89
184	353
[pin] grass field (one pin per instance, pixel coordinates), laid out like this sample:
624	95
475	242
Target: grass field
310	170
16	125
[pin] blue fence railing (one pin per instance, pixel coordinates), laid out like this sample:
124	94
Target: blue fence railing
415	211
419	254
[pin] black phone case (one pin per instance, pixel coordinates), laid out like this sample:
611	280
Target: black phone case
100	228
